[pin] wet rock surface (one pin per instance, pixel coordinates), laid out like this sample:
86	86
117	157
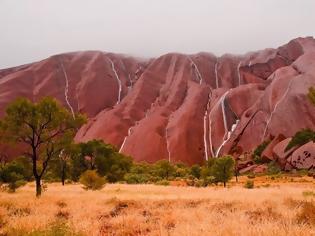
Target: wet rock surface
179	107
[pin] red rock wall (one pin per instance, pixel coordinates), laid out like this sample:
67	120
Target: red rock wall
178	107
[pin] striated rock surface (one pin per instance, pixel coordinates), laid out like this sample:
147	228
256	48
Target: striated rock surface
185	108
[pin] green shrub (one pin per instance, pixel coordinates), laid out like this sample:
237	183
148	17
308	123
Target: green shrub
300	138
249	184
16	184
12	174
195	171
163	182
163	169
251	176
92	181
259	150
257	159
273	168
308	194
208	181
132	178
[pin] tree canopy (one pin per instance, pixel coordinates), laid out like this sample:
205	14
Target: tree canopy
41	131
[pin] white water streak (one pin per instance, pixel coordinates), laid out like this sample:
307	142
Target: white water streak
275	108
205	134
226	138
227	133
117	78
216	74
130	81
167	145
67	88
210	124
210	138
239	73
125	139
196	70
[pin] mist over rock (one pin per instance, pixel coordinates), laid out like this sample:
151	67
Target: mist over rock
184	108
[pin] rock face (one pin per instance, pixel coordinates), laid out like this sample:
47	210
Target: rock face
178	107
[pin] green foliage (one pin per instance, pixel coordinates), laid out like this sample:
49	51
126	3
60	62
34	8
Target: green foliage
92	181
120	165
222	169
273	168
164	169
195	171
15	173
181	170
97	155
251	176
300	138
43	129
258	151
311	95
132	178
257	159
249	184
163	182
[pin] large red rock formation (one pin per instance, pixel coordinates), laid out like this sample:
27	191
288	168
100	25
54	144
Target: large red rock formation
178	107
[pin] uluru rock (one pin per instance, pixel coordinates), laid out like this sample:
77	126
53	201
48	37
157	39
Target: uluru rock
184	108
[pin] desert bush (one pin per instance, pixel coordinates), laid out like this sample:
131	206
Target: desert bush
251	176
258	151
92	181
300	138
308	194
306	214
249	184
195	171
163	182
14	185
164	169
132	178
273	168
14	175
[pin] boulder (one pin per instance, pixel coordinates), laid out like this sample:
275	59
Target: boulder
303	157
267	154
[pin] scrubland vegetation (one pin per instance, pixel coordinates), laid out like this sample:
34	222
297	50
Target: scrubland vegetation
92	189
280	206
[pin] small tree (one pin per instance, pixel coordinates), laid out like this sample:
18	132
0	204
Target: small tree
41	129
223	169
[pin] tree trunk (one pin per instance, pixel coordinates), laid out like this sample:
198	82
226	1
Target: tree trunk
63	175
38	187
224	184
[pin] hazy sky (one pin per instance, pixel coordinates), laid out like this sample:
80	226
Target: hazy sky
31	30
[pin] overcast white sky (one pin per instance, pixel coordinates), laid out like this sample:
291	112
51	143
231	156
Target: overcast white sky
31	30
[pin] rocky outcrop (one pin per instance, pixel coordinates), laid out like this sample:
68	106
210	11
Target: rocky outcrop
186	108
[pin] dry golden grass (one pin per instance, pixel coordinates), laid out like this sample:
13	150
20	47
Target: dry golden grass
280	209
